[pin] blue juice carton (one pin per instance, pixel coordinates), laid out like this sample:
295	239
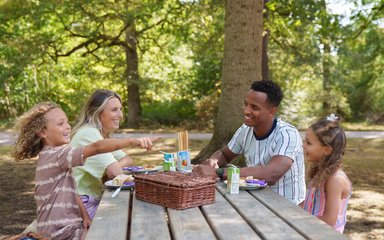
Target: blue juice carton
183	161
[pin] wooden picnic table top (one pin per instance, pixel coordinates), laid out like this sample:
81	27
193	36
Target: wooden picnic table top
254	214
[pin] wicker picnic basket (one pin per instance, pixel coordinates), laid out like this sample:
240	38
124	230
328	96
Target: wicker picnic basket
175	189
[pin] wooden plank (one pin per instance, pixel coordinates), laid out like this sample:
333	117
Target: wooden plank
263	221
189	224
149	221
226	221
309	226
111	219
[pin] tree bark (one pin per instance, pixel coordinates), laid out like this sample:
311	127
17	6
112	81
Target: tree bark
241	66
264	58
132	76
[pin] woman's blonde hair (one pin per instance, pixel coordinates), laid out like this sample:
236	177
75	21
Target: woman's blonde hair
92	109
29	125
330	133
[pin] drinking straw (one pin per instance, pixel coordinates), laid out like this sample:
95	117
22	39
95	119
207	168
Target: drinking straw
182	138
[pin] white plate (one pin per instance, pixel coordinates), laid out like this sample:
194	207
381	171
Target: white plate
109	184
248	187
148	170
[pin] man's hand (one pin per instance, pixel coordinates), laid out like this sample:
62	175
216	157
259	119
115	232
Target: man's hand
211	162
204	170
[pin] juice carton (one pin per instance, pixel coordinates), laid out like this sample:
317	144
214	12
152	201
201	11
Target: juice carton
169	162
233	178
183	161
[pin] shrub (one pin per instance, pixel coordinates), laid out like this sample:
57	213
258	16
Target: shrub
169	112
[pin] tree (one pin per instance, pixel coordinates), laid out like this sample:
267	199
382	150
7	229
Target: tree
106	32
241	66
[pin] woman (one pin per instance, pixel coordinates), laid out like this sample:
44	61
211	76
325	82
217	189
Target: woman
98	120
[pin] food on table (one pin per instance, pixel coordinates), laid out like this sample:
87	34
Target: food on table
120	179
249	178
149	166
242	181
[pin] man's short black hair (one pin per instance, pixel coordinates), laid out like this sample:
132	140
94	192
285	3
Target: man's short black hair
273	91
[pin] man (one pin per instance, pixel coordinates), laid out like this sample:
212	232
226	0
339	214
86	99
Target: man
272	147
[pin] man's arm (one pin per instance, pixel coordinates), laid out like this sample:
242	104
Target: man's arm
271	173
220	158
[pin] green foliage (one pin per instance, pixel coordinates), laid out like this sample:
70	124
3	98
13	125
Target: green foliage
299	30
169	113
180	52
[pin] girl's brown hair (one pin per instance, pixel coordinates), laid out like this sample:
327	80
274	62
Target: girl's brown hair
29	125
330	133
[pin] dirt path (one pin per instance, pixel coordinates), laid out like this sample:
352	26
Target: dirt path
8	138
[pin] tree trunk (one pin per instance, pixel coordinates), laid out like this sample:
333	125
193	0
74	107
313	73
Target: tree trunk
132	75
264	58
241	66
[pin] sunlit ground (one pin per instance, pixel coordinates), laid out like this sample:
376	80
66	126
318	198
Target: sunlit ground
363	163
365	215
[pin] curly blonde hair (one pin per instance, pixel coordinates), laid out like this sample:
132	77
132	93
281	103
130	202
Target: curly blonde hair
330	133
29	125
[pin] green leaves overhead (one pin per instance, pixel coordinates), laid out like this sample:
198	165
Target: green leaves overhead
63	50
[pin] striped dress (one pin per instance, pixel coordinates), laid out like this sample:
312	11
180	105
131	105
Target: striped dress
58	215
282	140
315	203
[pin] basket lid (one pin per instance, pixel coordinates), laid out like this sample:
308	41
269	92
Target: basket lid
177	179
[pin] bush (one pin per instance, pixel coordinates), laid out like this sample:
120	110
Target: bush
206	109
169	112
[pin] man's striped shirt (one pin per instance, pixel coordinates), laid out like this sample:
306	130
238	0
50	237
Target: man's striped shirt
283	140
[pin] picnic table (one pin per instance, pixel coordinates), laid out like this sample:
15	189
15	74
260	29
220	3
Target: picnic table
252	214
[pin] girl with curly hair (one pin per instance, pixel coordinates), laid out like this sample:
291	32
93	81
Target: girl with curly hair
44	131
329	189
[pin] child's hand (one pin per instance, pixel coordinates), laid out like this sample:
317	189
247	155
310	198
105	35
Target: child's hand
86	222
147	143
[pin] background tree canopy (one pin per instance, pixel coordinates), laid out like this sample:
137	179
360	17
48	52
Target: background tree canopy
165	57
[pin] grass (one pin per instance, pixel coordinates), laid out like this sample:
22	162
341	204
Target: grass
363	163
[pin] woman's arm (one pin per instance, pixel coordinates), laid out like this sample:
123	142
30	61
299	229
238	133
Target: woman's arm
115	168
125	161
